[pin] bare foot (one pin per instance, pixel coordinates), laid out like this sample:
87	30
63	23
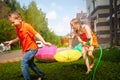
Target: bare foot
88	71
92	65
39	78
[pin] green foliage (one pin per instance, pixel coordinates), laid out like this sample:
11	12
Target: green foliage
38	20
11	3
32	15
4	9
36	17
7	32
51	37
21	10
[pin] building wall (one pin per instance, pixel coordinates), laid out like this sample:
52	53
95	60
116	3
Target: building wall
98	13
101	2
92	4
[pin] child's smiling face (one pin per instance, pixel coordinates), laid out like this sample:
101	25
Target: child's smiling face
15	21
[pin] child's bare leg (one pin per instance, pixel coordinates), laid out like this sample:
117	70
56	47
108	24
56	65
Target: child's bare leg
92	61
91	56
87	65
86	59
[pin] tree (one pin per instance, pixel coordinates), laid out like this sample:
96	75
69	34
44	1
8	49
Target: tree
7	32
4	9
21	10
32	15
39	21
11	3
36	17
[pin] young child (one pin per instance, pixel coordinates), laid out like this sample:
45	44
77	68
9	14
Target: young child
85	36
26	36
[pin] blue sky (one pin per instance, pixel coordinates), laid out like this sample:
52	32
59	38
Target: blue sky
59	12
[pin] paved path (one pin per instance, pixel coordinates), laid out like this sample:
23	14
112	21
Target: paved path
13	56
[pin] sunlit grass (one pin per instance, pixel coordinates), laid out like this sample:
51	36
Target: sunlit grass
107	70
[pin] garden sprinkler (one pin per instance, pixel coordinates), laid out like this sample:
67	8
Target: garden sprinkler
98	62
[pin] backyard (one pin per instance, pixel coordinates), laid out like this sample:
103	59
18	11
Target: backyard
108	69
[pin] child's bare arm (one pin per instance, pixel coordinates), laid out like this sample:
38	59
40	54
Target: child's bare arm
7	43
81	41
39	37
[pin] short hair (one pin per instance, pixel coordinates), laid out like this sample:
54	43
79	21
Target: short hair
15	15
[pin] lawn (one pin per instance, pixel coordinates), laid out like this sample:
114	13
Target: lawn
108	69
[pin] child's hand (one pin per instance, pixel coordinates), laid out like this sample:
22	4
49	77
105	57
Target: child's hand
89	41
85	44
47	43
7	43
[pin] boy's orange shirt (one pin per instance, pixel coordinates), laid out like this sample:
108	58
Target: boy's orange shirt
26	36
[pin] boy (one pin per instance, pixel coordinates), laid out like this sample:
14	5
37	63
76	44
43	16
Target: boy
26	36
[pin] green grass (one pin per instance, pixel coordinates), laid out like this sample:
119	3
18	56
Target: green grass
109	68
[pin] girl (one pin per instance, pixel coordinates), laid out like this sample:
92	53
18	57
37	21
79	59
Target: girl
89	42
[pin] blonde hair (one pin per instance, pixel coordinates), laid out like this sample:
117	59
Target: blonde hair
15	15
75	21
